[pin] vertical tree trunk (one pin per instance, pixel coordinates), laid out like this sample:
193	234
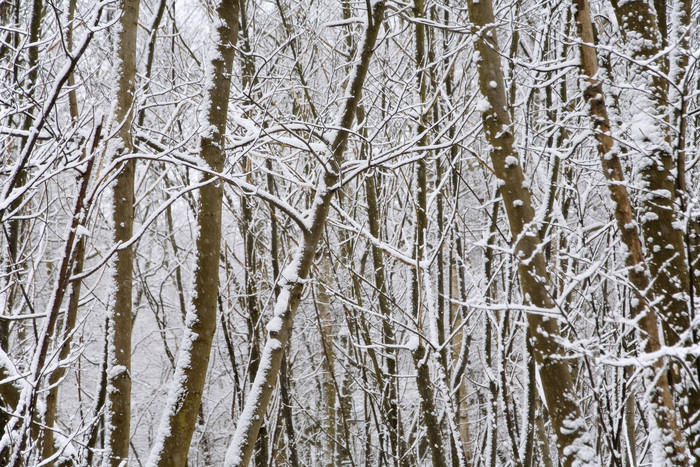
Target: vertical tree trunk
419	353
389	389
16	225
180	416
330	395
119	363
574	442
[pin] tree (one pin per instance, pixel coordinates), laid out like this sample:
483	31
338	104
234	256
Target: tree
279	328
400	212
180	415
665	412
573	441
118	415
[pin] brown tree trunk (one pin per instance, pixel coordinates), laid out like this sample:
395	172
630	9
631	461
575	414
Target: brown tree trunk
118	413
180	416
389	389
574	442
689	404
241	448
662	400
663	234
419	352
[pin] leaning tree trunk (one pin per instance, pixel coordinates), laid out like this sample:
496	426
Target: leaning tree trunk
185	396
661	222
293	277
664	412
679	70
574	443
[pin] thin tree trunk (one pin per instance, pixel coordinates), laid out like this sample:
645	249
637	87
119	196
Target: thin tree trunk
285	401
574	443
542	438
389	389
93	436
249	273
330	396
180	415
491	295
630	432
16	225
74	299
119	364
14	233
459	340
419	353
280	328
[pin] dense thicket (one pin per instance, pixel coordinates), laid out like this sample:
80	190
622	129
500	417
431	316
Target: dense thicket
298	232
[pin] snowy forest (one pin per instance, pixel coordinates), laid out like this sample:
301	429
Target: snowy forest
350	233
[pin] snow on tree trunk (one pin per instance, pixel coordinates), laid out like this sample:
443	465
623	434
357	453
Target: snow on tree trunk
573	440
664	412
118	411
293	277
177	425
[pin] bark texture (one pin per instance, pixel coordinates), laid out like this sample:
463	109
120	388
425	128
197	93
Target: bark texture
665	413
660	224
573	441
663	173
119	363
180	416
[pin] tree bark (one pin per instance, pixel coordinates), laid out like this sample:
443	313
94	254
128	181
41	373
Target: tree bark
180	416
664	412
663	234
574	443
118	413
241	447
689	404
390	402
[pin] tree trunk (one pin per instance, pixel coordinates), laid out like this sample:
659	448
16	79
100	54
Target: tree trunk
689	404
118	411
663	234
419	353
293	276
574	443
390	400
330	395
180	416
664	411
